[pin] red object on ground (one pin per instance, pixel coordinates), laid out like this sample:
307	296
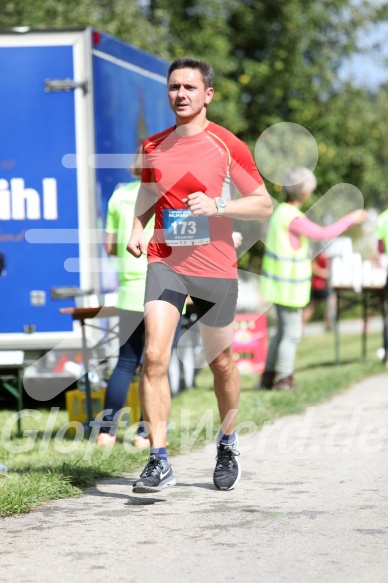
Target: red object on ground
250	342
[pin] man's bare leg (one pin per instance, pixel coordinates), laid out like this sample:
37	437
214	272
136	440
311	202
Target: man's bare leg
218	351
217	344
161	320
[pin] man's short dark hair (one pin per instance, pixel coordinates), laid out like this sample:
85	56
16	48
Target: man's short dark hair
205	69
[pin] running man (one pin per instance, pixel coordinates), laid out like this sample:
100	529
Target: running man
186	182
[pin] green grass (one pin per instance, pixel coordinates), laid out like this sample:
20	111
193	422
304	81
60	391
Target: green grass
54	466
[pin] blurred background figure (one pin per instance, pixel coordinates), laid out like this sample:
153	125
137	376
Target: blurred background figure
130	302
382	233
286	272
320	290
382	242
237	239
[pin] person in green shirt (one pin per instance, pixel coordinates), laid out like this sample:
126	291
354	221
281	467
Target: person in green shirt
130	303
382	231
382	241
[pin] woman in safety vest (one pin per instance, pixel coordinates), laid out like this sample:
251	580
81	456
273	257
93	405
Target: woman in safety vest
286	272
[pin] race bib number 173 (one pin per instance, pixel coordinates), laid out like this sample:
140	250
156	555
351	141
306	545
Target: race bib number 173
181	227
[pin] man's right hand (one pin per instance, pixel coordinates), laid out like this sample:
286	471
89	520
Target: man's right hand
137	245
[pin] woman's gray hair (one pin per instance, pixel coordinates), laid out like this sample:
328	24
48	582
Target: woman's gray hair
298	181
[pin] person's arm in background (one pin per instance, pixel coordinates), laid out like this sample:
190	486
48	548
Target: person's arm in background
111	227
111	244
303	226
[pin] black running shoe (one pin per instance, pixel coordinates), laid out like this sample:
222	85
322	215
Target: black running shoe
227	471
156	475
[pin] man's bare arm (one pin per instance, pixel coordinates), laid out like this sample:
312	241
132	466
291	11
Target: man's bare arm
256	205
145	203
144	210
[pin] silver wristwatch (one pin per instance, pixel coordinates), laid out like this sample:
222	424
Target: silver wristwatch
221	206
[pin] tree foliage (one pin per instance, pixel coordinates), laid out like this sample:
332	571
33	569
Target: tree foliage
121	18
274	62
280	61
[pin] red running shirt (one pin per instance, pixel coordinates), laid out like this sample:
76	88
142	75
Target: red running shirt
181	165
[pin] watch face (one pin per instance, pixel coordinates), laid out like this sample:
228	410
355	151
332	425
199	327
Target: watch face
221	203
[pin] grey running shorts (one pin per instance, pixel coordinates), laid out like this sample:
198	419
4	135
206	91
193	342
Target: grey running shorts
214	298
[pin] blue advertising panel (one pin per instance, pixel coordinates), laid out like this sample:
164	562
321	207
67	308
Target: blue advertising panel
36	191
130	103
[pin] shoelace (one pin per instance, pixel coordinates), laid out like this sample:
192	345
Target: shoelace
151	468
225	458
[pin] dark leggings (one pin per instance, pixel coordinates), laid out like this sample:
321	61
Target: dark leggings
131	350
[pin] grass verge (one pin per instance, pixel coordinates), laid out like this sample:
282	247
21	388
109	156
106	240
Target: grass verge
48	463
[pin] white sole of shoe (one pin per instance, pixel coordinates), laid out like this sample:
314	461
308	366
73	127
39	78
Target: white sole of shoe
141	489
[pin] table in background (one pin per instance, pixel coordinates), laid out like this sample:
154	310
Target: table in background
11	377
367	298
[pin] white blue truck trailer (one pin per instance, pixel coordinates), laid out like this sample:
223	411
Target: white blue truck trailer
74	106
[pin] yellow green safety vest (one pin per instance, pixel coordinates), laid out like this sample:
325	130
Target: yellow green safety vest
382	229
286	272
